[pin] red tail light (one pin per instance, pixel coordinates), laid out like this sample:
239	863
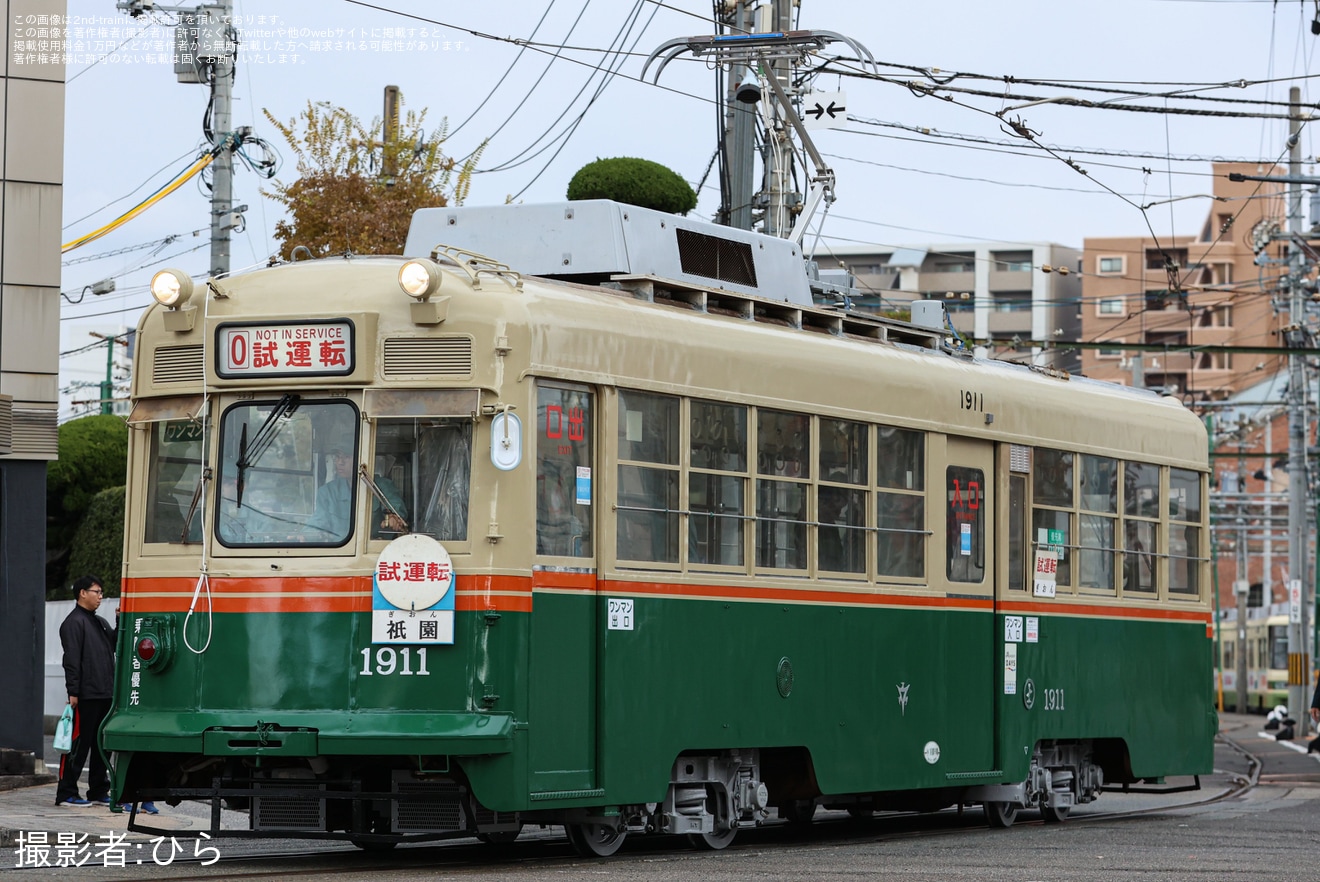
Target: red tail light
146	649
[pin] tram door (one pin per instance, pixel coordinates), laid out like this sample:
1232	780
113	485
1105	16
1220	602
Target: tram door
969	563
562	713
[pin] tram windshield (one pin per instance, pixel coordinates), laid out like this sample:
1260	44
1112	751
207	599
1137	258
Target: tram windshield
289	475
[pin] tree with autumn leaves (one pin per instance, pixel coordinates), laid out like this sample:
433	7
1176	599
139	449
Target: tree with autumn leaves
356	193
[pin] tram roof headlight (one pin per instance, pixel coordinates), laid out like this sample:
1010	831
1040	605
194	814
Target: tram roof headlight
419	278
171	288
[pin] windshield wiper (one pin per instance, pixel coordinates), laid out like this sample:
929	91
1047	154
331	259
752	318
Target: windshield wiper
250	453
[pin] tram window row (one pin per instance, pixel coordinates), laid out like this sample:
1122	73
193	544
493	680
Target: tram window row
715	487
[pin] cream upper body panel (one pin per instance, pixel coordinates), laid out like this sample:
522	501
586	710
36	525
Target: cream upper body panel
519	328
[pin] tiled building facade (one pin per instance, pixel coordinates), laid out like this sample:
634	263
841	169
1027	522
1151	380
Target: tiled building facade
31	172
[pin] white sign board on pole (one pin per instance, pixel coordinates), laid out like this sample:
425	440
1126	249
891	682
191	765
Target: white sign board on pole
825	110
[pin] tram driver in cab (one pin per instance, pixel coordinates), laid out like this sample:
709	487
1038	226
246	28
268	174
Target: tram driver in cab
331	520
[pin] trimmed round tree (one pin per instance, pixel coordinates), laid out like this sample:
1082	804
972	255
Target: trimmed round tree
635	182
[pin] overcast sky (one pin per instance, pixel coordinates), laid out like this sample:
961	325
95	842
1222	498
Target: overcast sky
129	124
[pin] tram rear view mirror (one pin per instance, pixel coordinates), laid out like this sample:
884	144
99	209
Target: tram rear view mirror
505	441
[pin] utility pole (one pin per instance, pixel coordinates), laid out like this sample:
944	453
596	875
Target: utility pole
223	60
778	147
1242	584
1296	338
389	165
740	132
206	47
107	385
1299	661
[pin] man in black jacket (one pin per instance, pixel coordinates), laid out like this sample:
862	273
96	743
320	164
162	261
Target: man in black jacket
89	672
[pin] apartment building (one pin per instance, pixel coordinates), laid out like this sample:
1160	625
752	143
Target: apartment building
1179	292
1005	298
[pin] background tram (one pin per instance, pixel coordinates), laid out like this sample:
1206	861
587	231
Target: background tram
615	529
1267	658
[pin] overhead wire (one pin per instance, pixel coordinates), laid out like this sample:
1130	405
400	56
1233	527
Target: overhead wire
185	154
606	79
508	70
554	56
165	190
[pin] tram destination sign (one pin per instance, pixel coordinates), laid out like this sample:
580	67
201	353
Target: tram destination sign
285	349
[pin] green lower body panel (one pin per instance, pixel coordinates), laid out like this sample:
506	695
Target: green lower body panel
304	734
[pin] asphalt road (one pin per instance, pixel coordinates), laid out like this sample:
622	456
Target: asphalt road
1270	832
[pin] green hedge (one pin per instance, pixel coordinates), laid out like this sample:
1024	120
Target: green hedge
98	545
635	182
93	455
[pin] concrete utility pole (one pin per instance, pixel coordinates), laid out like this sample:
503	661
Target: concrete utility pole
389	136
1296	338
740	131
1241	587
205	43
1299	661
222	57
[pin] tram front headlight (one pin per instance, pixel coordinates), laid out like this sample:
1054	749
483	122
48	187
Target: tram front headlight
171	288
419	278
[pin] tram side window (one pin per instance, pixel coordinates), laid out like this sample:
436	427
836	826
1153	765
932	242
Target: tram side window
423	468
648	494
965	539
1097	523
842	499
173	482
900	502
1141	513
563	472
1279	647
1051	510
717	483
783	452
1184	531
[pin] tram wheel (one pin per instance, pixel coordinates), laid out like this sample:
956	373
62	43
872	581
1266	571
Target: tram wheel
594	840
375	845
1054	814
1001	814
858	813
713	841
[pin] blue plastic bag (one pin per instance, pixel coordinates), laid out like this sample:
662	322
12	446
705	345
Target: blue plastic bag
64	731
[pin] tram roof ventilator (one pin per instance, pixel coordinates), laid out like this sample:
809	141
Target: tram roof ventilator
594	240
664	258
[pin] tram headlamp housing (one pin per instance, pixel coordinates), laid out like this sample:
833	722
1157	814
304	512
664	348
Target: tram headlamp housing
172	289
420	278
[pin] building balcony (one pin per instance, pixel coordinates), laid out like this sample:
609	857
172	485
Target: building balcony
1010	280
938	283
